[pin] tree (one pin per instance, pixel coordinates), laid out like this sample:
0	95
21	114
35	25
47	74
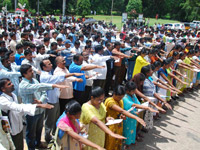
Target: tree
192	9
24	2
134	4
83	7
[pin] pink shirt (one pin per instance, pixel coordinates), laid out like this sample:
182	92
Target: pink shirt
66	93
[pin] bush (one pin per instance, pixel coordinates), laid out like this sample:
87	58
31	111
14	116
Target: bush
134	5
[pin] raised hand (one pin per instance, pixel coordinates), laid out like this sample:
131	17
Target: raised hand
46	106
168	106
160	109
141	121
100	67
101	148
117	136
35	101
78	74
109	118
152	110
79	80
60	86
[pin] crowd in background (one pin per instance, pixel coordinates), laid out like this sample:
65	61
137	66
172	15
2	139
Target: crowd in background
75	77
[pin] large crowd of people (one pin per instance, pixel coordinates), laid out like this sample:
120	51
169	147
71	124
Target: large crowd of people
72	78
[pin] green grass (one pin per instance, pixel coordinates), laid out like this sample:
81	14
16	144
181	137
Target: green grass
118	20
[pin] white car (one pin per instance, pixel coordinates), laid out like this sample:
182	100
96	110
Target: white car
175	26
196	24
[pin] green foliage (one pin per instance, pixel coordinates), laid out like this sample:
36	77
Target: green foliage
134	4
192	9
23	2
8	3
83	7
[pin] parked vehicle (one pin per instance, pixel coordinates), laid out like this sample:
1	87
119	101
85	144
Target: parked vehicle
187	25
175	26
196	24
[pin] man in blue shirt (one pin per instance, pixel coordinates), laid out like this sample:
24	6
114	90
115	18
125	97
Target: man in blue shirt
76	67
19	56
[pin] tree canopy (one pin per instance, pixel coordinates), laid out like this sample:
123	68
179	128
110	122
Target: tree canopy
183	10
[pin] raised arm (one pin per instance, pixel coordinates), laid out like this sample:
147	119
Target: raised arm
83	140
103	127
126	113
90	67
137	92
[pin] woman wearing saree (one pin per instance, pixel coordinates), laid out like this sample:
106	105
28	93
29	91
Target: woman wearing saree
131	104
115	109
94	117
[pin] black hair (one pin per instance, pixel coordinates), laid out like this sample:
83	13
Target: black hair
97	91
88	41
18	46
87	46
119	90
175	54
42	63
77	42
27	51
76	57
46	39
142	77
81	36
53	44
183	40
30	34
146	69
8	53
157	64
54	33
181	54
5	57
98	48
24	68
12	34
96	37
153	67
130	86
166	62
117	44
59	39
26	43
3	82
3	50
32	45
72	107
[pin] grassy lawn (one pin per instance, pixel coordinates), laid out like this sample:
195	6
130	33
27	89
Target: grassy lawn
118	20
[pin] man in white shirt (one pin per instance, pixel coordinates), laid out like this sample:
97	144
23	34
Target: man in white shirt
10	107
76	49
6	66
82	42
100	60
13	42
54	36
91	75
97	41
28	60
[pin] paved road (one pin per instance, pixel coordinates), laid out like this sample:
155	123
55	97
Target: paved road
178	129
